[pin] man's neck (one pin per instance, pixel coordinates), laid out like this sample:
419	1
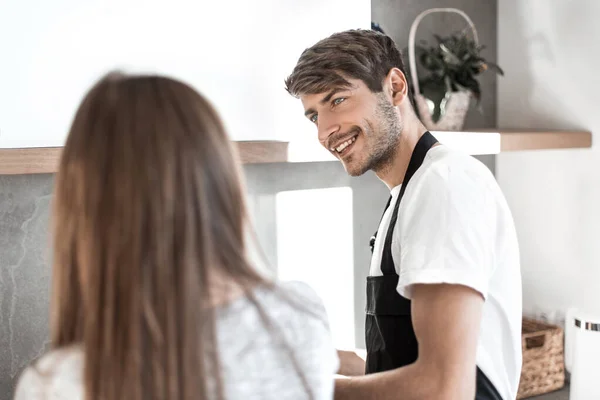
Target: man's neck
393	173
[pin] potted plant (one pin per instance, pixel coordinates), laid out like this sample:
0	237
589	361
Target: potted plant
452	66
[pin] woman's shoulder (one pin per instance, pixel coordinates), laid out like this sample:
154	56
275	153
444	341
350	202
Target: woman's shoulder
299	289
57	372
293	305
295	296
286	334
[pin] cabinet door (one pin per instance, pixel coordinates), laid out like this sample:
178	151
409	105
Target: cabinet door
235	52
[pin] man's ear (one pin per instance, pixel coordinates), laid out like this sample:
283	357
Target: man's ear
397	85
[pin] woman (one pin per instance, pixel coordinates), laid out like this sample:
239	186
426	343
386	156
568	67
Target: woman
154	296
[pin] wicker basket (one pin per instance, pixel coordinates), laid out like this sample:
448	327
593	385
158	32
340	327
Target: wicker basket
543	359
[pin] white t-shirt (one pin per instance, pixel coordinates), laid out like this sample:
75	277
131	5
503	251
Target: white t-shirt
454	226
254	363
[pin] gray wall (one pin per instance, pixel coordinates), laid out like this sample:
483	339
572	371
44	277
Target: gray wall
24	273
25	200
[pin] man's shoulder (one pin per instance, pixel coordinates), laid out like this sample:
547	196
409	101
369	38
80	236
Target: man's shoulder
448	169
446	158
453	184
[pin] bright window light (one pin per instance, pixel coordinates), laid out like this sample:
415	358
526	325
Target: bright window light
315	245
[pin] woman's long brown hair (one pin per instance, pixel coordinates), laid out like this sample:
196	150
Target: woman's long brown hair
149	211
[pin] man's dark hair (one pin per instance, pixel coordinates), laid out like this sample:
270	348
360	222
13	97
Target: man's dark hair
354	54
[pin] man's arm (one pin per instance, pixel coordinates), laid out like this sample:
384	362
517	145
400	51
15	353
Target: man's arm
351	363
446	320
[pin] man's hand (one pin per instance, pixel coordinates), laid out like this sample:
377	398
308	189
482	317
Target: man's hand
446	319
351	364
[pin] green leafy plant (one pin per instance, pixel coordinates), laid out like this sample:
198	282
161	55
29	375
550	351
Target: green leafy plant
452	64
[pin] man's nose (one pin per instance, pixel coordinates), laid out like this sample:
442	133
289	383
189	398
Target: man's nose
327	127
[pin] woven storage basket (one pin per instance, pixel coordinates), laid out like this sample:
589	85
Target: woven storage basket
456	103
543	359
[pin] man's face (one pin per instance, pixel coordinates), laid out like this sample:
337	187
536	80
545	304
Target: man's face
359	127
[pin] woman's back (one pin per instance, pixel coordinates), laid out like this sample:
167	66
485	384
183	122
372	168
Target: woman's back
254	358
150	233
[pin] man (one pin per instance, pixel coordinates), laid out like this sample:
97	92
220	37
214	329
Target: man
444	287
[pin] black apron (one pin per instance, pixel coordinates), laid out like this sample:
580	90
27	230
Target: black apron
390	337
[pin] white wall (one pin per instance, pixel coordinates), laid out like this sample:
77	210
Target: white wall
236	52
549	51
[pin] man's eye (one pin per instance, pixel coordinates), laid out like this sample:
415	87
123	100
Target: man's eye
313	118
338	100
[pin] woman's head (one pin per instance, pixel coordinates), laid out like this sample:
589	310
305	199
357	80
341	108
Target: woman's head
148	210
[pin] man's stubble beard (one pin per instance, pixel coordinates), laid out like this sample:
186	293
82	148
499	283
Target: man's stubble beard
382	139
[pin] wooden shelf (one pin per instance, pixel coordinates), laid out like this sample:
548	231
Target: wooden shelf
496	141
520	140
45	159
